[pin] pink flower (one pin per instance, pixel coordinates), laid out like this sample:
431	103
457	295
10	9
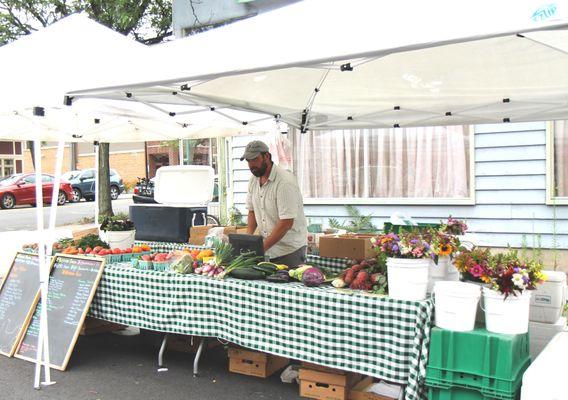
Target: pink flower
477	270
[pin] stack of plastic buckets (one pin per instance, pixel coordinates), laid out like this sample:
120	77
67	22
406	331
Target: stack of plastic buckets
476	365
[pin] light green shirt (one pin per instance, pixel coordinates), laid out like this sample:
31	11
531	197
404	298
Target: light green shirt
279	198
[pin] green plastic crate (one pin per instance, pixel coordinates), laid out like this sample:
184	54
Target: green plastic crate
479	352
463	393
388	227
498	388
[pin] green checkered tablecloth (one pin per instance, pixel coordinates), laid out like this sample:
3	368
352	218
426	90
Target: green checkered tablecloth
371	335
168	246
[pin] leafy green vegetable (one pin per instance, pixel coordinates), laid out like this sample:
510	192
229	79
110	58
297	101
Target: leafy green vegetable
91	240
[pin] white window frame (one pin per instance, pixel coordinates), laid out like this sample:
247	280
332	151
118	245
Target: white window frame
551	199
470	200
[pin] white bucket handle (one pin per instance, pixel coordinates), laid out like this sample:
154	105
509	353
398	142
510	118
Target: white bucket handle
481	302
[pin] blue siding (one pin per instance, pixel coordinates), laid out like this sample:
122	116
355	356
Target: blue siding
510	178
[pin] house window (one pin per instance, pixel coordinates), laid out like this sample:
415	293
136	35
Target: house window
557	163
7	166
404	165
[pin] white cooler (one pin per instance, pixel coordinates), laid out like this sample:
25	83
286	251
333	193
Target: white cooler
549	298
545	379
540	334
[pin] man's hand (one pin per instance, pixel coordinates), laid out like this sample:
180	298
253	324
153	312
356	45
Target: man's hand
283	226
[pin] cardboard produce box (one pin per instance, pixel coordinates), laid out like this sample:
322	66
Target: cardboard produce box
346	246
326	385
197	233
359	392
254	363
183	343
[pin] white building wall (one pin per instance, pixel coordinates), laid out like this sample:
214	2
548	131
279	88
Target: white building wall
510	191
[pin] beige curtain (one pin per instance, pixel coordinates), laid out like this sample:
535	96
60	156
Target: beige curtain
560	162
428	162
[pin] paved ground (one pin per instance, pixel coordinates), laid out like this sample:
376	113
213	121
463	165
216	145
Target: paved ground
113	367
24	217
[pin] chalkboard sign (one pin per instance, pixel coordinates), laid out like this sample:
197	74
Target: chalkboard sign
72	285
18	296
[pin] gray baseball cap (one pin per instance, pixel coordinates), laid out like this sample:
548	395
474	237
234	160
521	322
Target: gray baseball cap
254	149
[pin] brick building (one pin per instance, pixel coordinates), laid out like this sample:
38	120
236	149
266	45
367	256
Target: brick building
11	157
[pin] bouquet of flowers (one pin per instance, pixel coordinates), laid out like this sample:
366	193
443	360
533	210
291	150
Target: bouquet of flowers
402	245
442	244
474	265
511	274
454	226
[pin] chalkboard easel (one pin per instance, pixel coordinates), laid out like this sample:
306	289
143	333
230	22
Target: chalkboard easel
19	293
72	286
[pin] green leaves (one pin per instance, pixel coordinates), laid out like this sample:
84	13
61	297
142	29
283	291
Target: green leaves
148	21
360	223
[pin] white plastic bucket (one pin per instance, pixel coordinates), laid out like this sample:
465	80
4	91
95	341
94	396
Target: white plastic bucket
118	239
508	316
456	305
408	278
439	270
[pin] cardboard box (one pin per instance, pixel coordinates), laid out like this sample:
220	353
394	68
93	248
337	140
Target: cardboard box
182	343
316	384
254	363
358	392
346	246
78	233
197	233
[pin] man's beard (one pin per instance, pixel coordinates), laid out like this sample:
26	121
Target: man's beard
258	172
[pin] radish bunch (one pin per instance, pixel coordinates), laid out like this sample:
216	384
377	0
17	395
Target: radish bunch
207	269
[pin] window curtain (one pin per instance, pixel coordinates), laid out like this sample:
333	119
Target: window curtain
560	162
431	162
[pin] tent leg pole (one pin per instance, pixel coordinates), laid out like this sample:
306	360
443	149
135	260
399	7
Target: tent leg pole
43	338
198	356
180	145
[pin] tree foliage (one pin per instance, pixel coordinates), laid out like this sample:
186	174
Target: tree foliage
147	21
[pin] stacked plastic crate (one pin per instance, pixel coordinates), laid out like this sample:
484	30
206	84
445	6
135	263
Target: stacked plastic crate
476	365
545	313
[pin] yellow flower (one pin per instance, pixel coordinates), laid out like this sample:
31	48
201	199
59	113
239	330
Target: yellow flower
444	250
485	278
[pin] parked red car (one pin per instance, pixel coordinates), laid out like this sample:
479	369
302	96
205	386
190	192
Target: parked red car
20	189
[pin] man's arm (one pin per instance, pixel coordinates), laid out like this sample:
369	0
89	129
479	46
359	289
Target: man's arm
251	222
278	232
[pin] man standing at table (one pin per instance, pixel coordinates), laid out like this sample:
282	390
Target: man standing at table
276	207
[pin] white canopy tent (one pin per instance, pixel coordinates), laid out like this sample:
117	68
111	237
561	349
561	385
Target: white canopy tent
39	69
327	64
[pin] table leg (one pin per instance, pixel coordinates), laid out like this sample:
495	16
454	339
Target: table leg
161	367
197	356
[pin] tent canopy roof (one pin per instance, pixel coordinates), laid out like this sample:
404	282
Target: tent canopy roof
321	65
77	51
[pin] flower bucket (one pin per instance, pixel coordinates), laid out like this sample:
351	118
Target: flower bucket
408	278
456	305
118	239
439	270
508	316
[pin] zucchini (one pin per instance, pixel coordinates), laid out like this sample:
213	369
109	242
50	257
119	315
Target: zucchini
267	268
247	273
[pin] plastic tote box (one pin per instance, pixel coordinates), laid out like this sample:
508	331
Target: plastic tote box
183	192
165	223
540	334
545	379
548	299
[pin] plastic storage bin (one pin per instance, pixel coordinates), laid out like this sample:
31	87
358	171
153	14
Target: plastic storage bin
541	334
545	379
492	363
165	223
464	393
548	299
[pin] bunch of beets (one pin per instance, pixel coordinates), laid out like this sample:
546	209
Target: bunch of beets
361	275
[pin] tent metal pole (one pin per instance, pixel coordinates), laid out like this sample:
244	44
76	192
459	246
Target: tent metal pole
96	183
180	145
43	339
